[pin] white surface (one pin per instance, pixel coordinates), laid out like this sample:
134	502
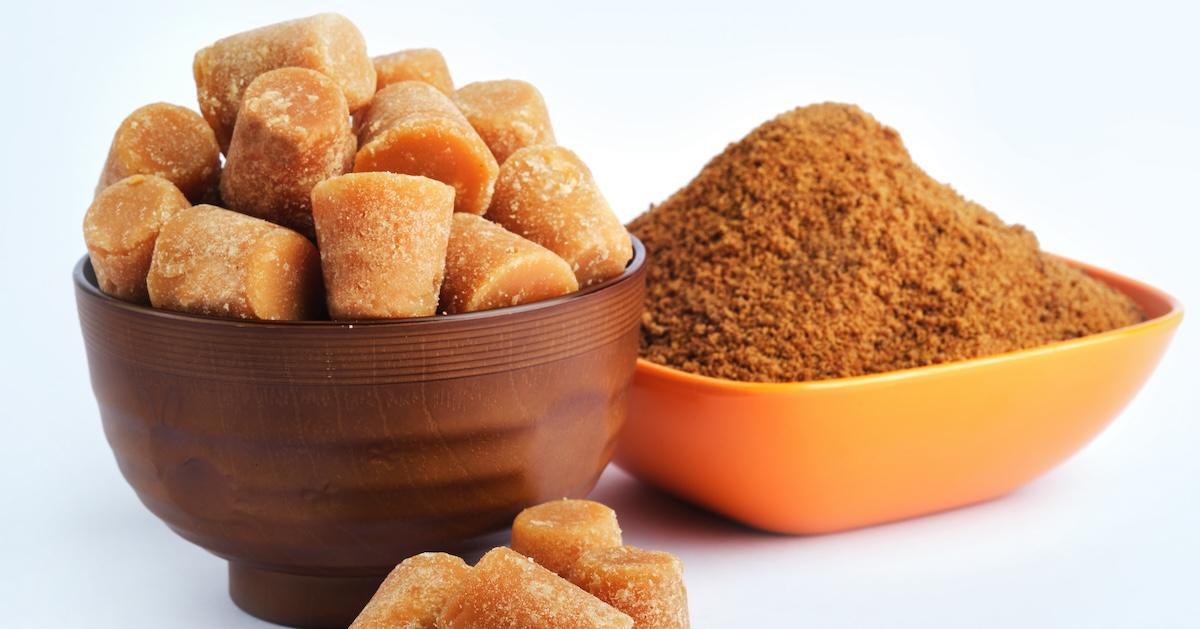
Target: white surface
1079	121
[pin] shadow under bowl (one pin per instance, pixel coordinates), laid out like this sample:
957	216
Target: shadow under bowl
825	456
314	456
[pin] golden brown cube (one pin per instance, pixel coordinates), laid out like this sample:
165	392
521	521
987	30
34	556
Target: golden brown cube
507	590
646	584
383	243
415	592
416	64
489	267
327	43
169	141
120	229
547	194
213	261
293	131
556	533
413	129
508	115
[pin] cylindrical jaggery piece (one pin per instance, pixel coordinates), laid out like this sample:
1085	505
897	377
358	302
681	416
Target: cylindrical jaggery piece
488	267
416	64
214	261
327	43
547	194
507	590
556	533
507	114
293	131
169	141
414	593
383	243
120	228
646	584
413	129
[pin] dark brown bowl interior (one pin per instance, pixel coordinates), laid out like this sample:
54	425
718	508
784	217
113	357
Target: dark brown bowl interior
314	456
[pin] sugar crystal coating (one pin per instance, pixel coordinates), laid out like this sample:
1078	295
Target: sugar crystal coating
413	129
556	533
213	261
547	194
120	229
414	593
507	114
169	141
416	64
489	267
383	243
507	590
646	584
327	43
293	131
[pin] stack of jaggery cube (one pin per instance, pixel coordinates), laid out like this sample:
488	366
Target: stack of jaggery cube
351	188
566	569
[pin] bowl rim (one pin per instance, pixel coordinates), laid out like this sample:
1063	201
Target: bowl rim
1171	318
92	290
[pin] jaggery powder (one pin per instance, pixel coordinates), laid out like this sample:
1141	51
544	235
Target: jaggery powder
815	248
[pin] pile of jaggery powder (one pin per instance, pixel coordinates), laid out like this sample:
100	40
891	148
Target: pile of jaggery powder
815	248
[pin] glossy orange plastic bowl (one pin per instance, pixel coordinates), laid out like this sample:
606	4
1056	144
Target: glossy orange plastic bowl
818	457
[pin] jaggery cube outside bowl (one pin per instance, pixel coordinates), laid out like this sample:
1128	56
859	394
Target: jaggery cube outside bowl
824	456
314	456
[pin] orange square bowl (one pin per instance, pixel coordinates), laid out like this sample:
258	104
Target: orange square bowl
824	456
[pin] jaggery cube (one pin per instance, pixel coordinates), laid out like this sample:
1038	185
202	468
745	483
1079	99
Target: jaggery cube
414	593
415	64
121	227
169	141
292	131
488	267
646	584
506	590
547	194
413	129
382	239
212	261
327	43
556	533
508	115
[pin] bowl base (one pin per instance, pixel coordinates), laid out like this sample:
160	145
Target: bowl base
299	600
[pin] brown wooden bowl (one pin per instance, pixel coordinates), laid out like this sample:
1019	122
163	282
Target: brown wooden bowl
316	455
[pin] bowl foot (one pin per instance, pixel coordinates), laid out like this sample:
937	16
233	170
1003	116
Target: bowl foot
299	600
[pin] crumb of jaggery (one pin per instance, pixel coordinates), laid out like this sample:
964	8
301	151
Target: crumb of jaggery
815	248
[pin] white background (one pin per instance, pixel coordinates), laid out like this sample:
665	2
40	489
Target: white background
1079	121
